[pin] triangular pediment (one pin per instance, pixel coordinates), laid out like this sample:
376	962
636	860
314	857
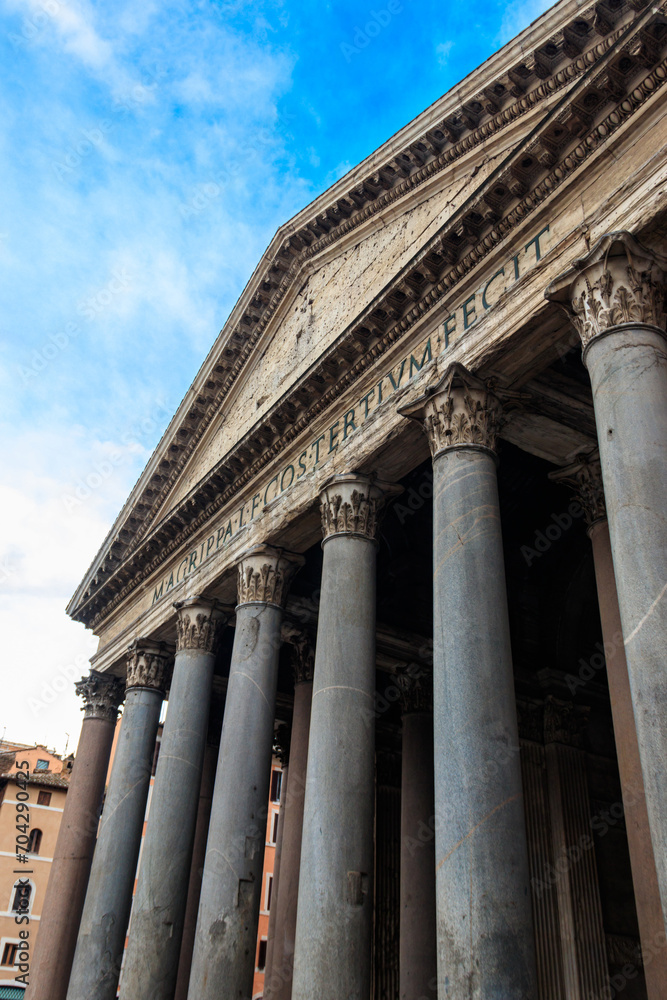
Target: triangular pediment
350	274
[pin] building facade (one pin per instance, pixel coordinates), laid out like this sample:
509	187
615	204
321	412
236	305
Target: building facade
412	508
33	787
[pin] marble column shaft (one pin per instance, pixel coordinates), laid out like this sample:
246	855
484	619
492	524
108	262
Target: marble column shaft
418	948
278	979
485	933
616	299
99	951
70	868
223	960
159	905
335	908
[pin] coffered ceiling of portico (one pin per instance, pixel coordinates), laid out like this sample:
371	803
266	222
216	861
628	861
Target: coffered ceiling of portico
353	273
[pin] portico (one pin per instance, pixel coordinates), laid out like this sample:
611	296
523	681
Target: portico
409	448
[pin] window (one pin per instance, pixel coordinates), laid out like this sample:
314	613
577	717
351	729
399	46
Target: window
22	894
9	954
261	952
269	888
276	784
44	798
34	841
42	765
274	828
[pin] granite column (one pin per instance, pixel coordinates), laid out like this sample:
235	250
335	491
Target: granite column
159	906
418	951
282	921
484	928
585	476
68	879
615	297
332	959
99	949
223	960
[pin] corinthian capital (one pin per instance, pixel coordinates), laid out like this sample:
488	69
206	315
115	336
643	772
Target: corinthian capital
102	694
148	665
618	282
585	477
415	683
199	624
459	411
350	505
265	574
303	654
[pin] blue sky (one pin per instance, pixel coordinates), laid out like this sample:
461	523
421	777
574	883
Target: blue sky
148	154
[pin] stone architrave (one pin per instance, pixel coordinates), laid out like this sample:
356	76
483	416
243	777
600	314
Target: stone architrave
99	950
418	952
70	869
615	297
585	477
335	907
158	910
282	920
482	887
223	959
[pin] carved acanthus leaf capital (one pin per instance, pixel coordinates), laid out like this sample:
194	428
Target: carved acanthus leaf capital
350	504
585	477
199	624
265	574
149	665
565	722
459	411
303	652
618	282
102	695
415	682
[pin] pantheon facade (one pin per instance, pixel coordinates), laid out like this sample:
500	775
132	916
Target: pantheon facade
408	528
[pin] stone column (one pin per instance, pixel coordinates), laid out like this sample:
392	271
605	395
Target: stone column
387	872
201	835
485	932
68	878
585	477
99	949
418	951
282	921
616	297
159	905
332	959
223	960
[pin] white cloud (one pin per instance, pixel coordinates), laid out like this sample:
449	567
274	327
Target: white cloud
442	52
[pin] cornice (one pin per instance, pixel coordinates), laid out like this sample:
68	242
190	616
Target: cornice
604	74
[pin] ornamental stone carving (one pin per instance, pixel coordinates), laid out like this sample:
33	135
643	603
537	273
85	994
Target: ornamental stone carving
350	505
265	574
303	652
618	282
199	624
415	683
459	411
148	665
585	477
102	695
565	722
